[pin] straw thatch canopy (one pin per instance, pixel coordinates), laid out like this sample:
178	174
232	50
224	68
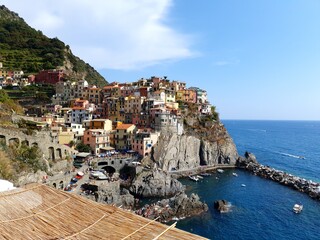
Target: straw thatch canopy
41	212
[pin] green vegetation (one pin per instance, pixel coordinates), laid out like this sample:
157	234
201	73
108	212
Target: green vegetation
6	168
81	147
42	93
7	104
15	160
24	48
214	114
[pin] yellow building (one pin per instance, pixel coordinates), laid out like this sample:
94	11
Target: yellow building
186	95
104	124
94	95
170	96
65	136
123	136
133	104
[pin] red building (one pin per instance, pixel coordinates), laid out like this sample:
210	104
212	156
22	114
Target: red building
50	76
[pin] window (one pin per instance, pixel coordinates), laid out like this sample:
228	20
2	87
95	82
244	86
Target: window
112	162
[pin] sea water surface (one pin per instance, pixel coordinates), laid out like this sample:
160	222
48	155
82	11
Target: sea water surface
262	209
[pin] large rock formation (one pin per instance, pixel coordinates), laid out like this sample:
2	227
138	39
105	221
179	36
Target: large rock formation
177	207
174	152
110	193
155	183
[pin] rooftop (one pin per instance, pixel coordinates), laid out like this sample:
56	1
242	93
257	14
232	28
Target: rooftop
124	126
41	212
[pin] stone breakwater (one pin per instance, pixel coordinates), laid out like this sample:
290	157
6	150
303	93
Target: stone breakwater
306	186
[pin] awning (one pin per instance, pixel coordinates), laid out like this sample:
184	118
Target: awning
83	154
107	148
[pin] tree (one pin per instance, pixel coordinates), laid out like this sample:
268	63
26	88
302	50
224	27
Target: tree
6	169
71	143
81	147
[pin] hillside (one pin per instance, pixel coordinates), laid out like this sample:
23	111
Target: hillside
22	47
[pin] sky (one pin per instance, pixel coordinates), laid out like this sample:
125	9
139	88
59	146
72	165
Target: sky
257	59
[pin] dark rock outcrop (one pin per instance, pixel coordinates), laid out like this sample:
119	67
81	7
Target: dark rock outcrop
222	205
110	193
155	183
248	158
178	207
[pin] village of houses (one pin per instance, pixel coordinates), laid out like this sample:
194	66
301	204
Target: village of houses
117	117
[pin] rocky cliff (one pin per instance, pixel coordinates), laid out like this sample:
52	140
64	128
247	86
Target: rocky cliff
185	152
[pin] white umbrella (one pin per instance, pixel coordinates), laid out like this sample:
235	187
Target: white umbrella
5	185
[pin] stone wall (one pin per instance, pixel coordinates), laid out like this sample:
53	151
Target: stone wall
43	140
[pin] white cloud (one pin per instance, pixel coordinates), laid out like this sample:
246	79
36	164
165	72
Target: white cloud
116	34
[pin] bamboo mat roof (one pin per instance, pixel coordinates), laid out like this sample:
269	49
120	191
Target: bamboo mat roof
41	212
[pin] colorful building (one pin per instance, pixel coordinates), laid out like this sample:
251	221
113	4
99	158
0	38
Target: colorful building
96	139
50	76
104	124
186	95
123	136
143	142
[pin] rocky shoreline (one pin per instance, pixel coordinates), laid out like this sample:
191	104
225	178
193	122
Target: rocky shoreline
250	164
178	207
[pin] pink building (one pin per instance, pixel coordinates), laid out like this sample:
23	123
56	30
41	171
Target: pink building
143	142
96	139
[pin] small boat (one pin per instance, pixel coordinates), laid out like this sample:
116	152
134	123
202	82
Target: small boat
205	174
243	185
194	178
297	208
235	174
220	170
199	177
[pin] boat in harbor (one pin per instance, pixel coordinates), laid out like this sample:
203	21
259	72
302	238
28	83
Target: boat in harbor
194	178
243	185
199	177
297	208
220	170
235	174
205	174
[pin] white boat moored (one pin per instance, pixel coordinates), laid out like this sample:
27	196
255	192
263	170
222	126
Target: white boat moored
297	208
194	178
220	170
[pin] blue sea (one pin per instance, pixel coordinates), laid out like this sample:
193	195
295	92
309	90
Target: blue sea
262	209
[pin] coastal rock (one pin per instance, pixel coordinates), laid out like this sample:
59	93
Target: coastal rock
249	160
250	157
155	183
185	206
184	152
222	205
110	193
178	207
